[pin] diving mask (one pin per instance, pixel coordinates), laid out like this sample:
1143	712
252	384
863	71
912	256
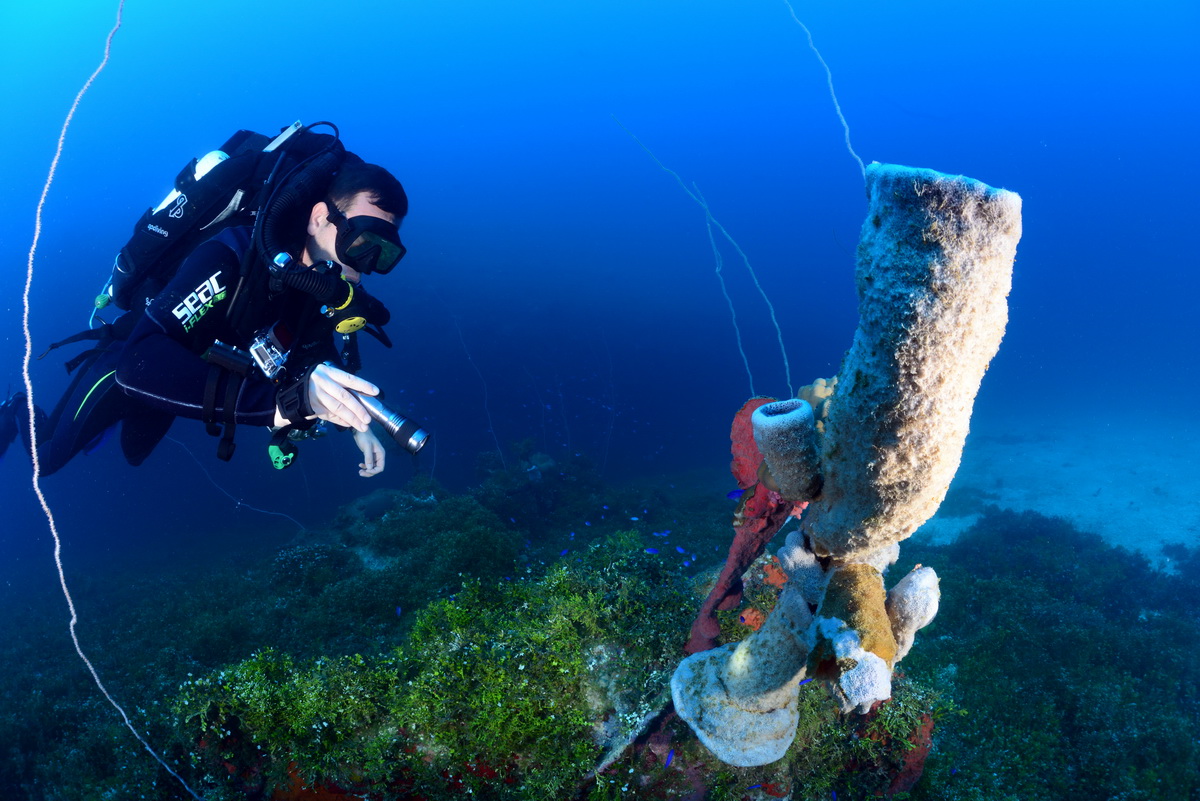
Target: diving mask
368	244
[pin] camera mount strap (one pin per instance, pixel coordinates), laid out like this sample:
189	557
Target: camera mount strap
293	398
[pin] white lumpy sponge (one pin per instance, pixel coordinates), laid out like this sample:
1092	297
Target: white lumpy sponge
870	678
911	605
802	568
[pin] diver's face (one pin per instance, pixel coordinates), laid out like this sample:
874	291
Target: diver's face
322	234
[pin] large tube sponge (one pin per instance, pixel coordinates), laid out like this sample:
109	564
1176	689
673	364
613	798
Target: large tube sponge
934	271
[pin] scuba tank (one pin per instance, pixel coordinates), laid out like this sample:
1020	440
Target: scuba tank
202	168
226	187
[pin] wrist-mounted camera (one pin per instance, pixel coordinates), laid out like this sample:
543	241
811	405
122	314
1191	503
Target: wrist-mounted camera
270	348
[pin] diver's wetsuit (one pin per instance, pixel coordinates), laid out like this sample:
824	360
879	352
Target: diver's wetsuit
147	377
161	364
91	405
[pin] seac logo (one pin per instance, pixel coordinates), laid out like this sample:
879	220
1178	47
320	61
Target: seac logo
177	211
199	301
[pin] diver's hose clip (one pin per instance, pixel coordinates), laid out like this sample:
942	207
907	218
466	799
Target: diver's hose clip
282	449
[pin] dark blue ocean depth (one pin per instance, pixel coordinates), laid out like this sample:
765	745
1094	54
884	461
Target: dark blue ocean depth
560	286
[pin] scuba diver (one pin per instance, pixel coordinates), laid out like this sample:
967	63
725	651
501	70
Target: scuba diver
238	330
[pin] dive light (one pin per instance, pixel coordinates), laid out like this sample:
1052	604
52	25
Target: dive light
407	434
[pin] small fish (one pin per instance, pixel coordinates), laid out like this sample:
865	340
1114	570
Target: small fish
571	536
398	611
670	756
587	522
806	681
512	519
659	533
564	552
735	494
651	550
634	519
754	787
680	549
605	506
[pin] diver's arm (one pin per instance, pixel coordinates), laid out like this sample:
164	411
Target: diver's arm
161	363
163	373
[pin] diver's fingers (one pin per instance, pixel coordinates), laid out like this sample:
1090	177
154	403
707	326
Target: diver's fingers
348	380
329	404
339	408
332	401
372	451
379	457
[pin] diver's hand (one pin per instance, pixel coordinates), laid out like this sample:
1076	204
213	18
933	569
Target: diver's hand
328	395
372	451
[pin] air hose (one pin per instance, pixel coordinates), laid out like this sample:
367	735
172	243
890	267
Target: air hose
329	288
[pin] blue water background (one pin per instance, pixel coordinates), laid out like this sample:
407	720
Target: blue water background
560	286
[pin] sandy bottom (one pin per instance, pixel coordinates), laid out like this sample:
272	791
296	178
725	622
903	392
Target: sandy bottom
1137	486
